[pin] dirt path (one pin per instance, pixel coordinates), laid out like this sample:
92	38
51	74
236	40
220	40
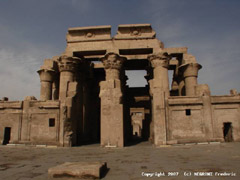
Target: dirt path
136	162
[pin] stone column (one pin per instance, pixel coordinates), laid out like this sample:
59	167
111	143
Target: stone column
55	92
190	74
181	86
174	87
111	102
149	78
67	90
46	78
160	91
67	67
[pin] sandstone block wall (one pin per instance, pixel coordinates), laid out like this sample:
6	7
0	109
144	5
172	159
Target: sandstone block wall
31	122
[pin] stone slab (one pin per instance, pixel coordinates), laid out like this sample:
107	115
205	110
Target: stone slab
78	170
135	31
41	146
203	143
214	142
11	144
92	33
190	144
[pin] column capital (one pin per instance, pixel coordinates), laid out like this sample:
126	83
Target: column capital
68	63
46	74
190	69
112	61
159	59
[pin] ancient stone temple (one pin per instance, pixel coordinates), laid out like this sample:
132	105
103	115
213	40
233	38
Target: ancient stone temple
85	98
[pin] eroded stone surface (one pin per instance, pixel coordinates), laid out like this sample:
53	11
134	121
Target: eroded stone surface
90	170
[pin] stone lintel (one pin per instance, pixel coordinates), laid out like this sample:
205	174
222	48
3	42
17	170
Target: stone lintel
98	65
134	110
184	100
92	170
126	47
94	33
51	104
176	50
138	110
11	105
141	98
225	99
135	31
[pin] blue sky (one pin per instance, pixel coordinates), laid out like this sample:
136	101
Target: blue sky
32	30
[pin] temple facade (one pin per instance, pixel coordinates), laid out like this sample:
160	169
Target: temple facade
85	99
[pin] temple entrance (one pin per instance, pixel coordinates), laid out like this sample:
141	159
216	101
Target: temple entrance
7	135
227	132
138	105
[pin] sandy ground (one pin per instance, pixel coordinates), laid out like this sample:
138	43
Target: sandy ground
134	162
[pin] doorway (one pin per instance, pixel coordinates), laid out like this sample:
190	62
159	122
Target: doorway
227	132
7	135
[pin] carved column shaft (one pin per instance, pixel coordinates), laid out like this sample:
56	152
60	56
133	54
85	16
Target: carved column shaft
46	78
56	89
161	78
159	91
181	85
112	74
67	69
112	131
190	77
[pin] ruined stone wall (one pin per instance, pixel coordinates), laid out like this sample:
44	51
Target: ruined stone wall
31	122
226	109
185	119
10	116
193	119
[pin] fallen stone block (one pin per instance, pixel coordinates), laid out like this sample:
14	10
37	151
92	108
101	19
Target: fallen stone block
90	170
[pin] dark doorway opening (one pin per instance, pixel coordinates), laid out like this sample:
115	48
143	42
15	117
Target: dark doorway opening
7	135
227	132
138	115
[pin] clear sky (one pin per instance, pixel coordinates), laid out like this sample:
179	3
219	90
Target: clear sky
32	30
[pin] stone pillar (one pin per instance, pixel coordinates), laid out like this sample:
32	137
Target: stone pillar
204	91
111	102
67	90
67	69
149	78
46	78
181	86
174	87
160	91
55	92
190	74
